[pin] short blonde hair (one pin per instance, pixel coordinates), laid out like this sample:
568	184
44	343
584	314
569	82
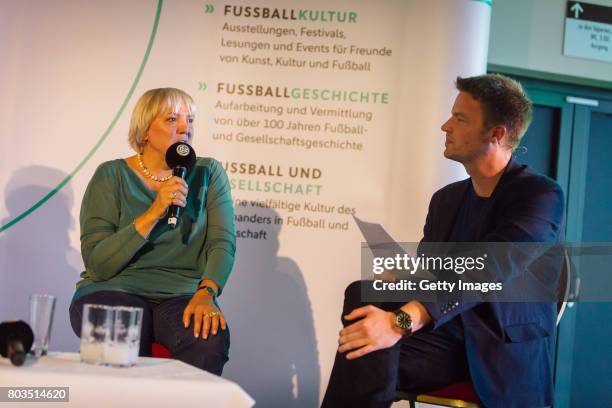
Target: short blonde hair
152	103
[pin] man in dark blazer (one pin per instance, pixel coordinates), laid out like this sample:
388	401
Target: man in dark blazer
504	348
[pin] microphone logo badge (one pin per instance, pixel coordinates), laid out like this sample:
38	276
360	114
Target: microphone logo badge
183	150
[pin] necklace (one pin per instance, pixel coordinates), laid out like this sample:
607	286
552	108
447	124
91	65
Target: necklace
149	174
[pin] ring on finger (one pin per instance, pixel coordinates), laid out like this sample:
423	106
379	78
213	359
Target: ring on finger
174	194
213	314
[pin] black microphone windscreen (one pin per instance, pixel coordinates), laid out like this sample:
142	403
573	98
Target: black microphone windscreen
180	154
15	333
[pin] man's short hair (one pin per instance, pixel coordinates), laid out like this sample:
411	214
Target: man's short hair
149	105
503	101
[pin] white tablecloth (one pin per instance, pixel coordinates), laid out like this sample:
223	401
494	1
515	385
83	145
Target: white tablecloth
153	382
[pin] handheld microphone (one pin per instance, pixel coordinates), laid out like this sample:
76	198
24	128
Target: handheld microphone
180	157
16	339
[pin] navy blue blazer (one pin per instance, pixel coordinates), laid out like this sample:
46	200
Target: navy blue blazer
509	345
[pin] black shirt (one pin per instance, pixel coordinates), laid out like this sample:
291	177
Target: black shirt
469	217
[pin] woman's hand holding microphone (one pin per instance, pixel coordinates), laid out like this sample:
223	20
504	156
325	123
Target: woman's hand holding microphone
172	192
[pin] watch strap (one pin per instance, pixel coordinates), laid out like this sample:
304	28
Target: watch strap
208	289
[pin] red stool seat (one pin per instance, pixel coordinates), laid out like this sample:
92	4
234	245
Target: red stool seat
160	351
461	395
462	390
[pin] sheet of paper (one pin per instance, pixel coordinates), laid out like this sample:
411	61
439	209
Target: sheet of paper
380	242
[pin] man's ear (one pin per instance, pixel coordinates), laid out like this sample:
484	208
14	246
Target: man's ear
499	134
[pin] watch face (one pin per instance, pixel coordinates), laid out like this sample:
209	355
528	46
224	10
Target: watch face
403	320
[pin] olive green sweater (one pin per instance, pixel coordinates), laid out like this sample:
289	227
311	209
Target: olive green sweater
168	263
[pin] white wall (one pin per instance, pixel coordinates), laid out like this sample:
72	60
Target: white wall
528	34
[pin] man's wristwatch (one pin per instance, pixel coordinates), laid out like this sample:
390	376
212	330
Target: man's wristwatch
403	321
208	289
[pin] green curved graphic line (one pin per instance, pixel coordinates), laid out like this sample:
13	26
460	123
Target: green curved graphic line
104	135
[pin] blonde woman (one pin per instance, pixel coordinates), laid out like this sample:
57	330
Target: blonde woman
133	258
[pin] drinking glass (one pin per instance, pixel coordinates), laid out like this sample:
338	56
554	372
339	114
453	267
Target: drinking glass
124	343
95	332
42	308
